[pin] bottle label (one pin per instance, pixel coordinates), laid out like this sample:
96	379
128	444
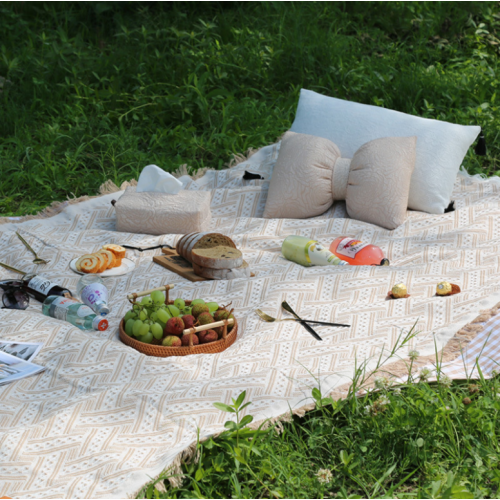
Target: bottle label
42	285
350	247
60	307
84	311
94	293
318	255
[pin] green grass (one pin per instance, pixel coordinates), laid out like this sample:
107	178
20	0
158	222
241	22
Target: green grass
416	440
99	90
96	91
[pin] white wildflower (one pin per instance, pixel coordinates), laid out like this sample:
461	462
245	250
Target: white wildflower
413	354
368	409
397	391
494	373
324	475
424	374
382	382
445	381
383	401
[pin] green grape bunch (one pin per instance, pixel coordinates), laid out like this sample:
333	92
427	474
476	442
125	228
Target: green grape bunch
147	319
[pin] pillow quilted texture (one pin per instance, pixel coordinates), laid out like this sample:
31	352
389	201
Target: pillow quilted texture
310	174
379	181
301	184
441	146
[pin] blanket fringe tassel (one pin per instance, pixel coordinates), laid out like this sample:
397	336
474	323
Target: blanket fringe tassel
110	187
398	369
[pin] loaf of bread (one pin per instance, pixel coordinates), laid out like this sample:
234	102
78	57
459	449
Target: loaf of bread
180	244
192	241
222	274
221	257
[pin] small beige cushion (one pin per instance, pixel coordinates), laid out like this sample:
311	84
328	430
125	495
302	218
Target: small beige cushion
161	213
310	174
379	181
301	184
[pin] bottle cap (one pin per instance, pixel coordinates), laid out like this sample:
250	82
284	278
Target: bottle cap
98	323
101	308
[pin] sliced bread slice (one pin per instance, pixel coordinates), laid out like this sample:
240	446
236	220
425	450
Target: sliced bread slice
222	274
182	241
220	257
201	240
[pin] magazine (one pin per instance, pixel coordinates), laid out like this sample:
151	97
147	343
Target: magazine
13	368
22	350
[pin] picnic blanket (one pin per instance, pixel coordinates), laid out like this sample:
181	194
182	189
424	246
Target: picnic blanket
103	419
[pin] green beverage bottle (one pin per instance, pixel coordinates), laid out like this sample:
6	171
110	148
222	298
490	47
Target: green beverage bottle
307	252
76	313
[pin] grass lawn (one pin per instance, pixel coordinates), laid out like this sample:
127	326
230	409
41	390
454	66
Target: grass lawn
96	91
420	440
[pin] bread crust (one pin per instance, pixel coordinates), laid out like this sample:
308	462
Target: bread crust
181	242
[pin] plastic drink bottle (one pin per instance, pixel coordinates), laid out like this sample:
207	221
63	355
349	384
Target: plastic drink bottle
307	252
76	313
93	292
358	253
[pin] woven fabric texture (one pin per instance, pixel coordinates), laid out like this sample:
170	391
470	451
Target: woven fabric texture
103	418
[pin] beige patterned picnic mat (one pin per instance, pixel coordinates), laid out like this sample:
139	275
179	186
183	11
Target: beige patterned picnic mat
103	418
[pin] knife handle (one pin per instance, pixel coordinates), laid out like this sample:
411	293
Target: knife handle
287	307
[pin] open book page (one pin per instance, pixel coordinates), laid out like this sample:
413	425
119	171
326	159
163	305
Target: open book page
12	368
22	350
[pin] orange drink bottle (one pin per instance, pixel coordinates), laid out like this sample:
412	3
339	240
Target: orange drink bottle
358	253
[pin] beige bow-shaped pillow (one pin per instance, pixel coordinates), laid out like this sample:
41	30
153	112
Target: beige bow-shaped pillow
310	175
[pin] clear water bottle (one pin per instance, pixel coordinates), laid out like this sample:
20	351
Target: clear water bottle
76	313
93	292
307	252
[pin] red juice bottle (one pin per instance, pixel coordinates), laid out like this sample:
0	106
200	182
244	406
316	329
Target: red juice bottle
358	253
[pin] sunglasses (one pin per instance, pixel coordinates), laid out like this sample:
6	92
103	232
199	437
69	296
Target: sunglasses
14	297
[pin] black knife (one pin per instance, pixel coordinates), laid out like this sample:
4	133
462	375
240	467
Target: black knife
287	307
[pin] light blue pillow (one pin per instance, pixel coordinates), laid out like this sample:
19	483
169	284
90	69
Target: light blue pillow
441	146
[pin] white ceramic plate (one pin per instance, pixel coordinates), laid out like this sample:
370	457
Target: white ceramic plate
126	267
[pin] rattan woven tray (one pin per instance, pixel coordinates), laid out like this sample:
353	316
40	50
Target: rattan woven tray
160	351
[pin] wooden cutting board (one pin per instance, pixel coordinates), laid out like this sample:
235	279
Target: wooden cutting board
177	264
